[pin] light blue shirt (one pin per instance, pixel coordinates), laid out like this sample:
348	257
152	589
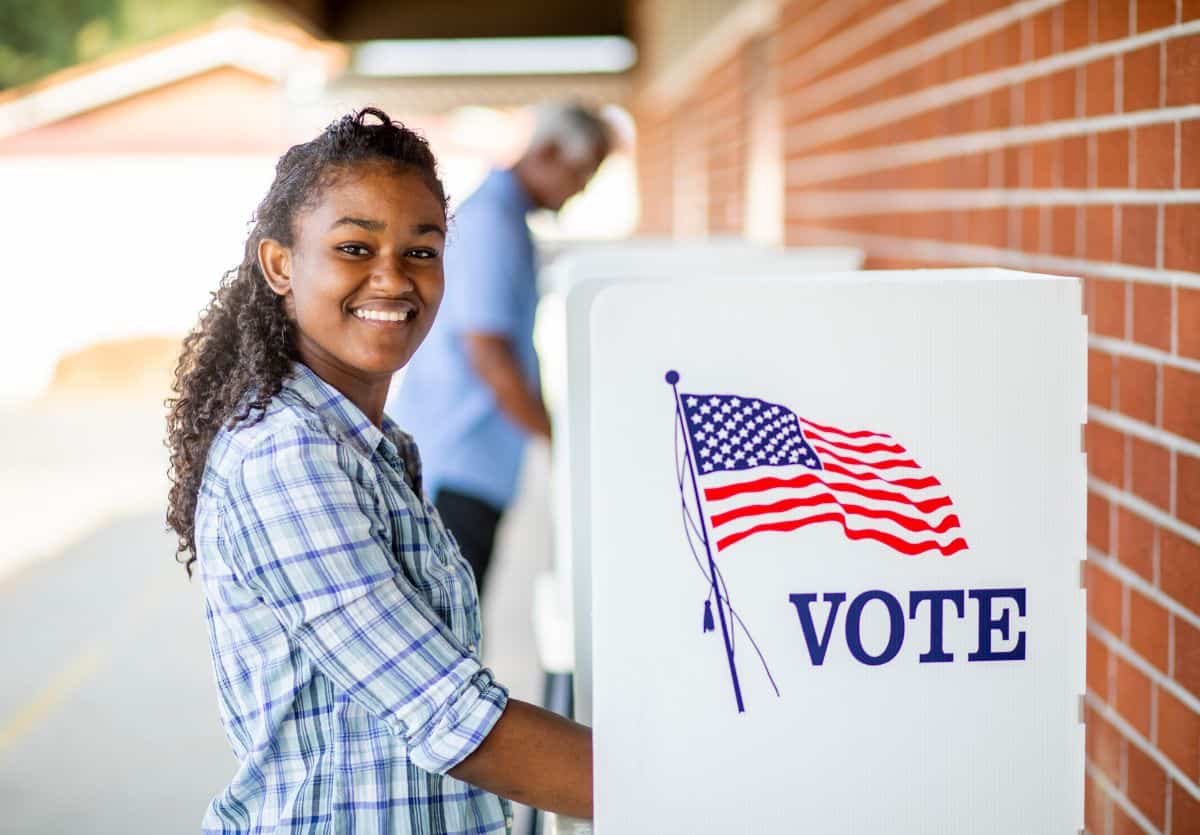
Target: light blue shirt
344	628
467	443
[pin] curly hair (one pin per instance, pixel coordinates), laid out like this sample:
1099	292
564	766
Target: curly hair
241	350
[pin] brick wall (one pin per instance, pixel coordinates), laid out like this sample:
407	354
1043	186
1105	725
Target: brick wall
655	173
1045	135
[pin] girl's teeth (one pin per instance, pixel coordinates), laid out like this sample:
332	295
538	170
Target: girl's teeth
382	315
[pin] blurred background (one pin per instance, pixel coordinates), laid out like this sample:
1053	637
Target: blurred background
136	138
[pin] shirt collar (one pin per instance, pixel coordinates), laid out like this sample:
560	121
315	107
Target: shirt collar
337	411
346	421
505	182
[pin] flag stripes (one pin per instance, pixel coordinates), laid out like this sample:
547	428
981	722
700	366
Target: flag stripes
865	482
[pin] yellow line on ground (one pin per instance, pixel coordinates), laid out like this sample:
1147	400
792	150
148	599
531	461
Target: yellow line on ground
66	681
82	665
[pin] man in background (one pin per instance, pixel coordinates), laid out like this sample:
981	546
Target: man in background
471	396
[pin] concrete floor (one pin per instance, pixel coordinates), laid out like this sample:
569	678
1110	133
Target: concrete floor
108	716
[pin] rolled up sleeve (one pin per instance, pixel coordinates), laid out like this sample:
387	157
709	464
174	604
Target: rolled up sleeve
309	541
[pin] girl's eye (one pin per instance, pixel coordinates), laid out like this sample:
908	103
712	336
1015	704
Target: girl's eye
354	249
423	253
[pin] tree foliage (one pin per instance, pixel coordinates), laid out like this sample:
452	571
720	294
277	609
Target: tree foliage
38	37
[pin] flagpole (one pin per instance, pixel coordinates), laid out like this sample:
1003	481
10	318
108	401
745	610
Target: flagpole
673	380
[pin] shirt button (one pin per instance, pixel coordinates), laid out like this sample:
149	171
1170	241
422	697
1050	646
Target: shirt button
472	648
508	822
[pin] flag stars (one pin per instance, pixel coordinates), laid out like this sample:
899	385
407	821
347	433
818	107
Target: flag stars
731	433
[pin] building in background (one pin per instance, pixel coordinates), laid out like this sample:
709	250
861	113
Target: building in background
130	181
1059	137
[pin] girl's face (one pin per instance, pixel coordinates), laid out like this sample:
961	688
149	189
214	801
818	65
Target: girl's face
363	278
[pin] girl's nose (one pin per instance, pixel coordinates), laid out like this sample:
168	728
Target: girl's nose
393	275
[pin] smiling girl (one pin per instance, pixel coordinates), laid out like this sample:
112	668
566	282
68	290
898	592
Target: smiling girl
343	622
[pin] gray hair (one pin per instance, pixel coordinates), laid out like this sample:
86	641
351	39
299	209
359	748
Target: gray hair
578	132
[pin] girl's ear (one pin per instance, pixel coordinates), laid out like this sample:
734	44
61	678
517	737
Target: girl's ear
275	261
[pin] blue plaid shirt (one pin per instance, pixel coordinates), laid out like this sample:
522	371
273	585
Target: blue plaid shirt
344	627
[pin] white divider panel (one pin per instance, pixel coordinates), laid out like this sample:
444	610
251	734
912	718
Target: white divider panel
836	564
572	282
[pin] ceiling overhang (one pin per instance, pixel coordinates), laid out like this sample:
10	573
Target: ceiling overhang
366	20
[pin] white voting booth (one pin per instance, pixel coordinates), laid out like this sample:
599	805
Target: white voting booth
569	286
835	525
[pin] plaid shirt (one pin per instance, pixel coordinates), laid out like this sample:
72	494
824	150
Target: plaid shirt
344	626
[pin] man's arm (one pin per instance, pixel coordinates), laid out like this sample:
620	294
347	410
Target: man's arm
492	358
534	757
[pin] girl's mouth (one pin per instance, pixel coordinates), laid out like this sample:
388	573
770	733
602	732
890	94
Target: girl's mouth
384	316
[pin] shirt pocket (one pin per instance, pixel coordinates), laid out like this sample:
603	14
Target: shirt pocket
450	551
465	596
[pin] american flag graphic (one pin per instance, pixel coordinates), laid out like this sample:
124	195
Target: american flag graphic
761	467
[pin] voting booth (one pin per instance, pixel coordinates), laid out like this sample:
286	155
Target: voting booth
569	285
835	528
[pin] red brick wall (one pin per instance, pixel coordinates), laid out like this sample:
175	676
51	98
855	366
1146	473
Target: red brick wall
1048	135
726	105
655	172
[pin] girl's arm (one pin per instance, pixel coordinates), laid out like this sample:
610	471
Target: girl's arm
534	757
